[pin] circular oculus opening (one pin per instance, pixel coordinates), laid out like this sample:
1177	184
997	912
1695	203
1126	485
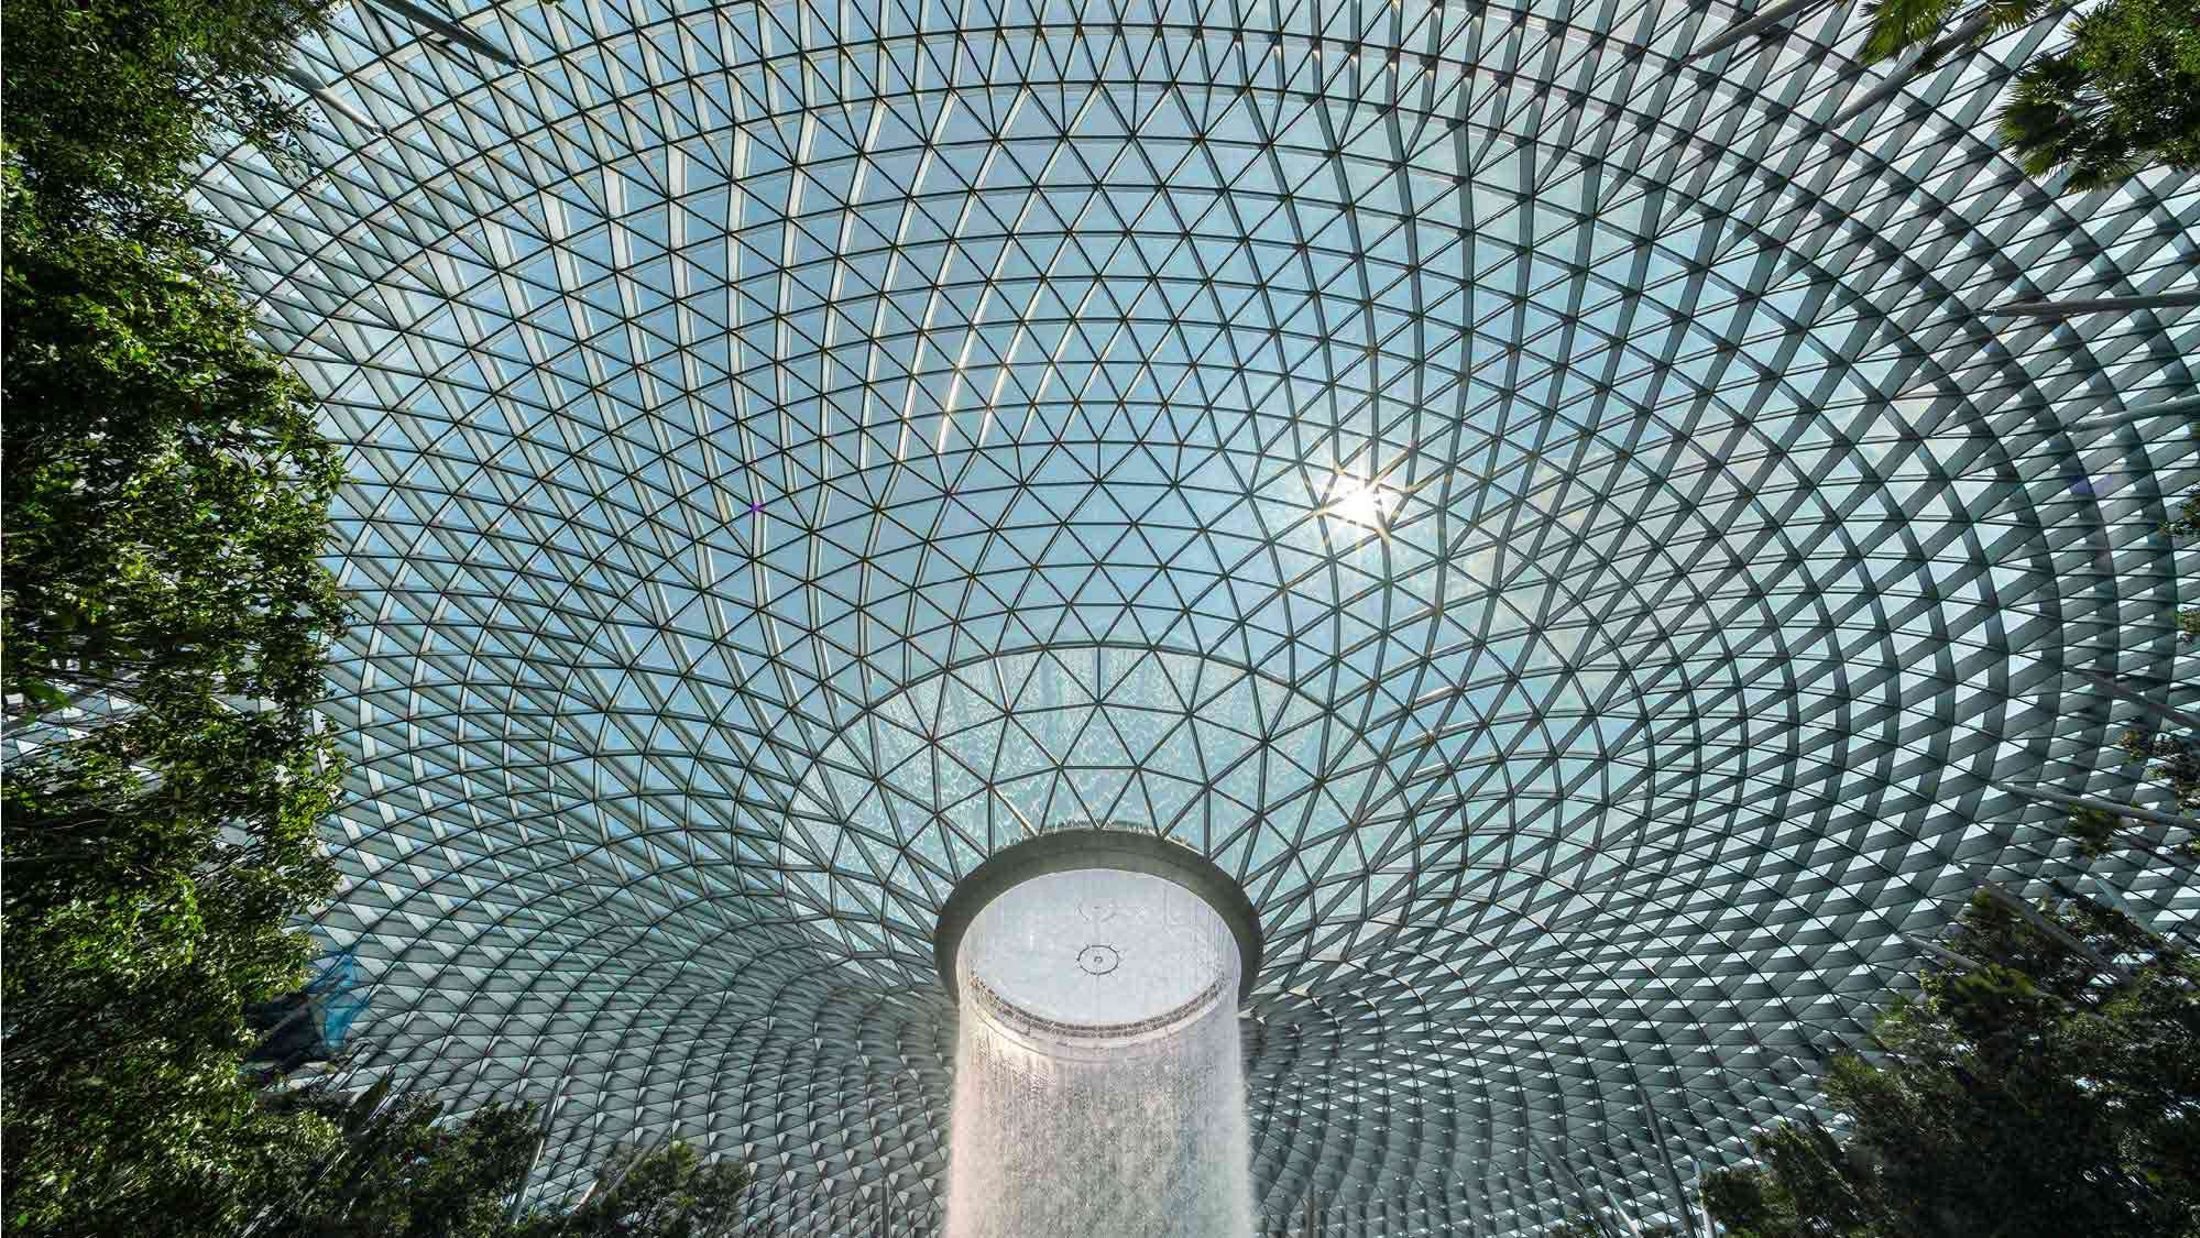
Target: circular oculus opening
1089	934
1097	953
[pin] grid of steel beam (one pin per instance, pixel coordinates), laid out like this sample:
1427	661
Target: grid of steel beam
1567	526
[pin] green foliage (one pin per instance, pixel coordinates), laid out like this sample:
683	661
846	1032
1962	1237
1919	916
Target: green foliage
2121	95
404	1172
1901	25
163	621
405	1169
2184	526
2172	758
668	1191
128	95
2050	1089
166	490
163	625
2095	830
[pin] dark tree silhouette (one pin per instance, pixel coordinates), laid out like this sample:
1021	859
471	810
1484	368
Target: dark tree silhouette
2044	1082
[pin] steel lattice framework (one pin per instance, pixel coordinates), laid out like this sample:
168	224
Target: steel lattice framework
1578	531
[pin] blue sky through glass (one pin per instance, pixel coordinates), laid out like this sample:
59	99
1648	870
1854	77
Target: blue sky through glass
800	448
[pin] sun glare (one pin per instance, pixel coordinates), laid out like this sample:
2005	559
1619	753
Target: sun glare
1360	501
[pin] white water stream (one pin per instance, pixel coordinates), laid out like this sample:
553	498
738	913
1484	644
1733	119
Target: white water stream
1099	1091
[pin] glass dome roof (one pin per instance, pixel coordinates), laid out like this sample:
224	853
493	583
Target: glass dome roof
1566	526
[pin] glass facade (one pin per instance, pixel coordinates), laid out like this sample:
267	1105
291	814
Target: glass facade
1576	531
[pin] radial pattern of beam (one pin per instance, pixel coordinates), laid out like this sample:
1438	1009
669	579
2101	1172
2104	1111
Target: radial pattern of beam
1565	530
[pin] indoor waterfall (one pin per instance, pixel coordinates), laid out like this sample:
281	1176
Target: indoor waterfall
1099	1091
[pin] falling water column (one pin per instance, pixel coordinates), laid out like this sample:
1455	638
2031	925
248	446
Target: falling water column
1098	1087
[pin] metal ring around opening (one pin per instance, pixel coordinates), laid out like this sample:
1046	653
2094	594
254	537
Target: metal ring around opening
1022	1020
1128	851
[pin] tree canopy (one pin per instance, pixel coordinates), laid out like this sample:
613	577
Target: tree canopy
128	96
665	1191
163	622
2044	1082
2121	94
407	1170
